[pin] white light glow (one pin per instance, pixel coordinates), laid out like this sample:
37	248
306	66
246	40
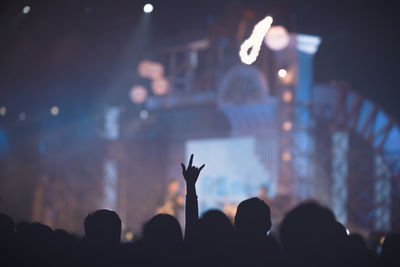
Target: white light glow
307	43
282	73
144	114
26	9
277	38
254	41
54	110
148	8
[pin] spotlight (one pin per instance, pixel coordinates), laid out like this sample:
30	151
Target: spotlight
282	73
3	111
26	9
54	110
148	8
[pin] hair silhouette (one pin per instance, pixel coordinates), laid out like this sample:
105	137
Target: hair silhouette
253	218
103	226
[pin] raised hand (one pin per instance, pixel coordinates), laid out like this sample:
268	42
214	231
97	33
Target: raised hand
191	173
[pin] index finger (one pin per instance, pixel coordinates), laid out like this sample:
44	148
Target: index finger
190	161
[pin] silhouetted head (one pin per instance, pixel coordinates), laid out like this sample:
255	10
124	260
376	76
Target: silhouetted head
253	218
215	224
163	228
103	226
311	236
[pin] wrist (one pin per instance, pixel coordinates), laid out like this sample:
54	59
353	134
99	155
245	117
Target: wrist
191	189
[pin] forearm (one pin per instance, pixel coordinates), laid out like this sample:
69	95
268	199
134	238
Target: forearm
191	209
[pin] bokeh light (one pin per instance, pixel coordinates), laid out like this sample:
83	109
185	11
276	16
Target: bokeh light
287	126
26	9
160	86
287	96
3	111
277	38
54	110
148	8
138	94
282	73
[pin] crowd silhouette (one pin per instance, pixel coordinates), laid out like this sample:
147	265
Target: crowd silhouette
309	235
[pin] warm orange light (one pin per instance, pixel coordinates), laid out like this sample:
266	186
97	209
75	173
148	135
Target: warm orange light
287	126
160	86
287	96
138	94
286	156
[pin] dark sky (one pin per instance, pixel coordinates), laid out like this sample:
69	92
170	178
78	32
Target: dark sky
77	43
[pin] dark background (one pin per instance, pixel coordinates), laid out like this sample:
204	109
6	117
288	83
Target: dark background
66	51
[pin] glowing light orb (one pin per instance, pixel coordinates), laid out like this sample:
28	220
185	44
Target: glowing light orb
287	126
138	94
144	114
277	38
160	86
286	156
26	9
54	110
150	70
282	73
287	96
22	116
3	111
148	8
254	41
128	236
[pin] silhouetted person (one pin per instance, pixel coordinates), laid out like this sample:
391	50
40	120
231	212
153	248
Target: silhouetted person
252	223
358	253
161	243
103	226
212	237
35	245
311	236
163	229
101	245
390	254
